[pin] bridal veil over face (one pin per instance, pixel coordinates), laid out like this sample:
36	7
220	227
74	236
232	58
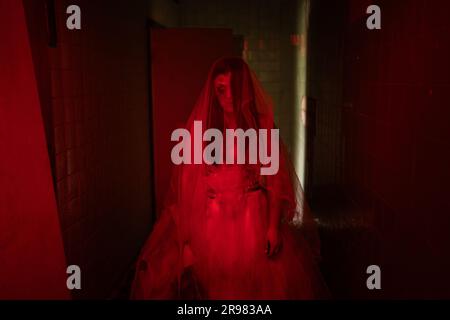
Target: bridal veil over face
186	200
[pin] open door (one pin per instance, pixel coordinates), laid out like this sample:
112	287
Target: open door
180	61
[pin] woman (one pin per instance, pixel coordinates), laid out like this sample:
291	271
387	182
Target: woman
228	232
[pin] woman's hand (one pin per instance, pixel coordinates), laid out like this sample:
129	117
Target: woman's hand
274	241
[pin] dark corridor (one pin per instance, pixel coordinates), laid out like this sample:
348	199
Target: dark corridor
363	113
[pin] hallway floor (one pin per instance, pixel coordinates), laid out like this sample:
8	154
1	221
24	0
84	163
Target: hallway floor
349	245
348	248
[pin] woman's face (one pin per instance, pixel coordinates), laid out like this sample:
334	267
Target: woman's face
222	86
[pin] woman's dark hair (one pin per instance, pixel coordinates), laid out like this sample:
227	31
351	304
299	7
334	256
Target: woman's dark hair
240	79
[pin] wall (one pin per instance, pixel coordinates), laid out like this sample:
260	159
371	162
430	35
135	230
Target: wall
325	85
32	259
266	28
392	126
98	99
164	12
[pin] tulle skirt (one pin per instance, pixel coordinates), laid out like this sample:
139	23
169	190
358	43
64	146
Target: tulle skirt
228	258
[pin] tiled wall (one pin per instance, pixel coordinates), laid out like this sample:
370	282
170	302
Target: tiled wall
31	248
98	100
391	130
398	138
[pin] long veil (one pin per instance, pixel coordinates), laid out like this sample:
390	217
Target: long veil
184	208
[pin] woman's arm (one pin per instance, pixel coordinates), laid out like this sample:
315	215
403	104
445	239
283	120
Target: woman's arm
273	231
